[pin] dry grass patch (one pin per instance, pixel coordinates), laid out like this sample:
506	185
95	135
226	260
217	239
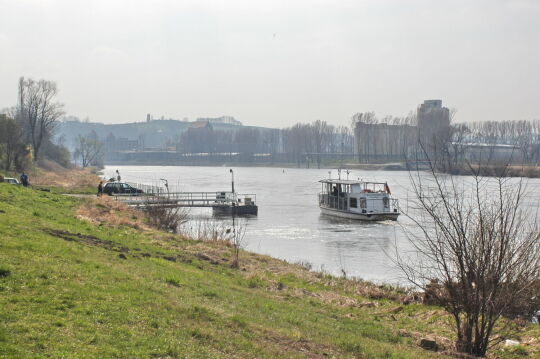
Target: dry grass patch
294	344
105	210
57	176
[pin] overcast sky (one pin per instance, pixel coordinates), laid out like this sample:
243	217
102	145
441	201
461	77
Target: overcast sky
274	63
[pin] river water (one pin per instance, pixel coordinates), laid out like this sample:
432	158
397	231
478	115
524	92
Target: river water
289	225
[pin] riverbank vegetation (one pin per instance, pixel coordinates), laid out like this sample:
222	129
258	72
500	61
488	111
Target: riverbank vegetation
28	131
90	278
477	253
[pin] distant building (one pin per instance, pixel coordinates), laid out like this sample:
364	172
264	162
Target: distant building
432	113
201	124
228	120
113	144
433	122
432	116
148	117
198	138
386	142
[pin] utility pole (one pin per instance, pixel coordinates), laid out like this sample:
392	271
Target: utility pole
232	180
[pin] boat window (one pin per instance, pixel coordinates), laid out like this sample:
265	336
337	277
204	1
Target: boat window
386	202
353	202
363	203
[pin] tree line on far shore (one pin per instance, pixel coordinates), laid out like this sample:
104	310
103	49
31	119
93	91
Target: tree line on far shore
297	141
387	139
27	134
450	144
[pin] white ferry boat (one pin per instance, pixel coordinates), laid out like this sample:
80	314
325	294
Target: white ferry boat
368	201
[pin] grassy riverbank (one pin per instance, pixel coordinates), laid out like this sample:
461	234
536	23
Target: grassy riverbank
88	279
59	179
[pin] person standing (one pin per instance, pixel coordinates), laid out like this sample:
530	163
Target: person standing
100	189
25	180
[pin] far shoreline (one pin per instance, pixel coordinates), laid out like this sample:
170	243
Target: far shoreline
482	170
360	166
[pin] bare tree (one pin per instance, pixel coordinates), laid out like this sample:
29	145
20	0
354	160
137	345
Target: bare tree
458	145
297	141
320	131
246	139
11	146
525	140
38	111
89	149
481	244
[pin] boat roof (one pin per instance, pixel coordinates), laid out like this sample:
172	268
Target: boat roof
350	182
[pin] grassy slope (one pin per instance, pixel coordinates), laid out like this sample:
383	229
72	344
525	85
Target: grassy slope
73	289
61	180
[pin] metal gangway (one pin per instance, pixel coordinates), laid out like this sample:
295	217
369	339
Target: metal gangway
222	201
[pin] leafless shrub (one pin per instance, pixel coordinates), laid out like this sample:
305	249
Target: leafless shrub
304	264
207	230
163	216
481	245
219	231
238	232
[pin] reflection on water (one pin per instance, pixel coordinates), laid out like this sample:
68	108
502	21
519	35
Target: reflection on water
289	225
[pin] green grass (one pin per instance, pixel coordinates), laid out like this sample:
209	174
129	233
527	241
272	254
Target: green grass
71	289
74	190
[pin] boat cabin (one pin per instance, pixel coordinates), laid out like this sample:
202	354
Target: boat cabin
357	197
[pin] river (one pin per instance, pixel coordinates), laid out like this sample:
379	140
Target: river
289	225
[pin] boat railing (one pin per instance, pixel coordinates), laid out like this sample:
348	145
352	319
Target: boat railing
342	202
395	205
335	202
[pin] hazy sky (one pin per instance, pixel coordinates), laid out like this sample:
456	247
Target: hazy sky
274	63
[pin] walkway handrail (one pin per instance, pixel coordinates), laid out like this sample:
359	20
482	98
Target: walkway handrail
207	197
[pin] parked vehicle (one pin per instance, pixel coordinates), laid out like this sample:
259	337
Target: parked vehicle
11	180
112	188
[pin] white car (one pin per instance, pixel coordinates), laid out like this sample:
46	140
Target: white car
11	180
